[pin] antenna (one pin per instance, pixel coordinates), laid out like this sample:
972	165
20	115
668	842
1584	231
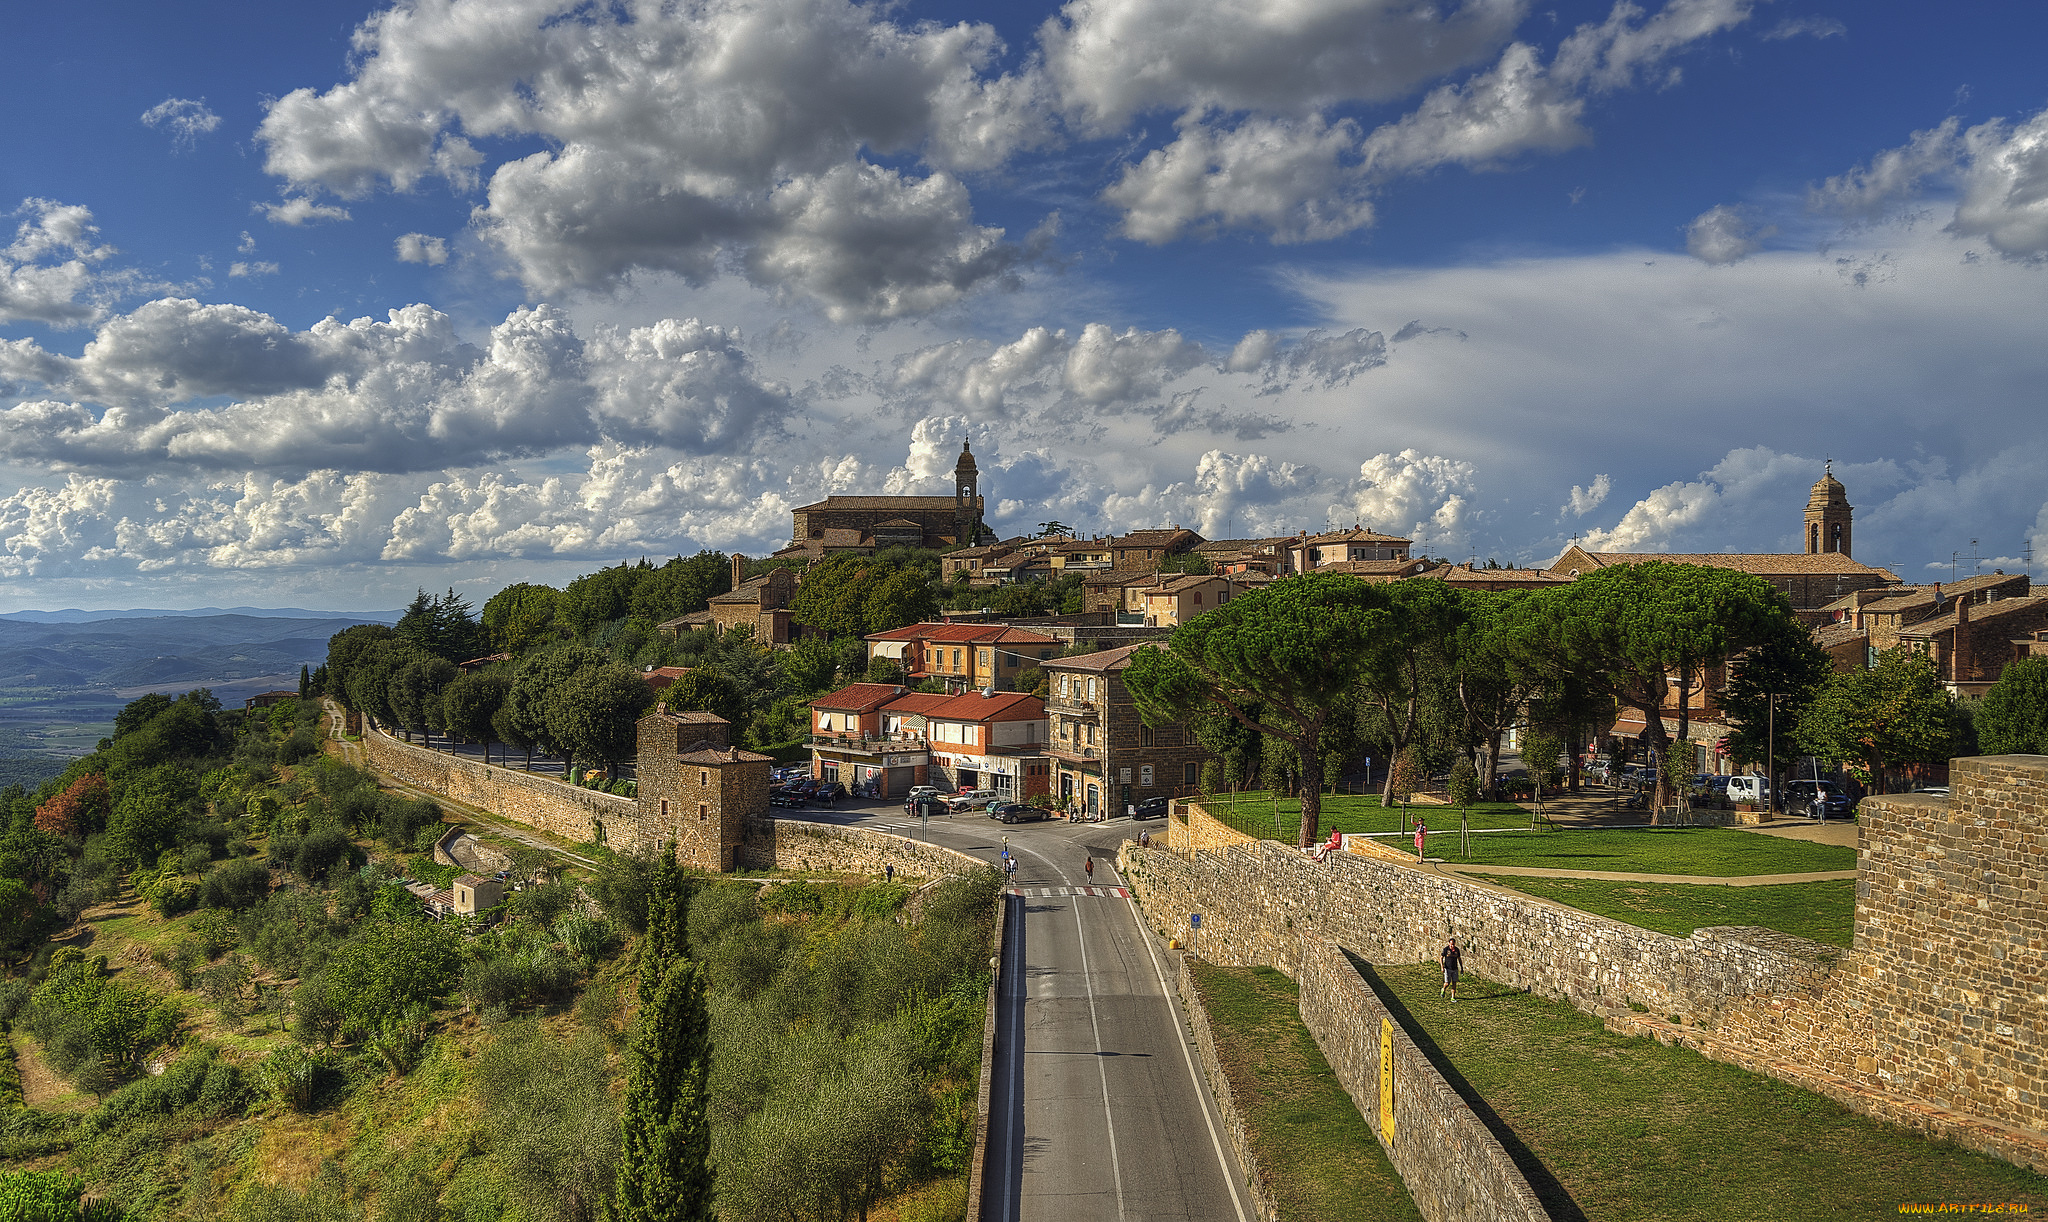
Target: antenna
1976	561
2027	554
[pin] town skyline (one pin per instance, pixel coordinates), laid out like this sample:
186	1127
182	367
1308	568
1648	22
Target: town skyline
319	322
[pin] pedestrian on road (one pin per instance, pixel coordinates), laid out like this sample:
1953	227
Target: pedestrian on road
1011	866
1451	961
1421	838
1088	866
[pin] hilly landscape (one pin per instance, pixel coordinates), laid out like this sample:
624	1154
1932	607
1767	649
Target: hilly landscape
63	675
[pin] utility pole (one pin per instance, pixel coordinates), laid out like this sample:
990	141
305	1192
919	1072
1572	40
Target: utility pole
1771	751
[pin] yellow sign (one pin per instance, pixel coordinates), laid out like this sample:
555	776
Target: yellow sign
1387	1080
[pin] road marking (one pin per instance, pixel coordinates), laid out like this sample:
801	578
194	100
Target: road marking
1116	1168
1041	893
1013	1140
1201	1097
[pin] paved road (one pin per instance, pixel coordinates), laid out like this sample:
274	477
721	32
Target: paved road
1098	1111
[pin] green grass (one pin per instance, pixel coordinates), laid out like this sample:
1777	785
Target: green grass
1255	813
1626	1129
1822	911
1320	1156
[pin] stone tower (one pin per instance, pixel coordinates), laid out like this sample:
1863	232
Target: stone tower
966	499
1827	516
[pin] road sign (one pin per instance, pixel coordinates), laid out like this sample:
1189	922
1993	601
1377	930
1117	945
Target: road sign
1194	920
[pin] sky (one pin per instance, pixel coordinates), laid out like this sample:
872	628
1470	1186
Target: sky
318	304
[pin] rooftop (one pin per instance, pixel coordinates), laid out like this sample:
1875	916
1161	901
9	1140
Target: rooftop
972	706
1980	612
1357	534
858	697
1768	564
1107	660
900	503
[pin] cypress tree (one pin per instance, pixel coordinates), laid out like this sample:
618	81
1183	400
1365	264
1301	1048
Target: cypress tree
305	681
668	916
665	1146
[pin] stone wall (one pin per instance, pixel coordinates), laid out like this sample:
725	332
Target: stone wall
789	844
1453	1165
1933	1021
1234	1127
552	806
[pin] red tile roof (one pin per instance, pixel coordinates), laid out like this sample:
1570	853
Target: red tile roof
858	697
1108	659
1000	706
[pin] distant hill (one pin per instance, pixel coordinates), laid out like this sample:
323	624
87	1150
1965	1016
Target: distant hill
75	616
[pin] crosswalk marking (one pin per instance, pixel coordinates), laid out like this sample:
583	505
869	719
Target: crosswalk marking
1043	893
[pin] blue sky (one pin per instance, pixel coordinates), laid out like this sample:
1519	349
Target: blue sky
310	305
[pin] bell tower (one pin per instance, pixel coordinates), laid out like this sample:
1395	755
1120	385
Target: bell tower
1827	515
966	499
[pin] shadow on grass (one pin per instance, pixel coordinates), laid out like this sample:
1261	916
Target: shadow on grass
1556	1201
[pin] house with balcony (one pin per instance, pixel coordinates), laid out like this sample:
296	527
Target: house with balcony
852	744
1104	757
964	657
978	741
1081	555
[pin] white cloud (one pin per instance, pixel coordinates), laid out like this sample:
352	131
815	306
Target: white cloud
683	138
248	243
1295	179
1722	235
1111	60
1422	496
1799	27
1585	500
238	270
299	209
1513	108
1615	53
1998	171
421	248
47	273
399	395
186	120
1869	193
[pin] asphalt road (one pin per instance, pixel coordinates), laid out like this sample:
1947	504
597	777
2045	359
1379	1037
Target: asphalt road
1098	1111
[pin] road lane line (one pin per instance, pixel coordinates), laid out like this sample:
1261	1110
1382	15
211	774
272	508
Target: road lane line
1014	1106
1180	1027
1116	1169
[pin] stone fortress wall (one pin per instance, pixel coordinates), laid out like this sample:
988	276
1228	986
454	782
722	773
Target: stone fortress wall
555	807
1934	1020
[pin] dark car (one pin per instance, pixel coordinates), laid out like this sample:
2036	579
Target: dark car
1018	812
1816	799
829	791
1152	808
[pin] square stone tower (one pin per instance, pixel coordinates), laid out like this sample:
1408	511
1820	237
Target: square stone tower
696	790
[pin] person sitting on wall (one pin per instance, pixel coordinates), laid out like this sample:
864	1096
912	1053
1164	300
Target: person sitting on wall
1333	845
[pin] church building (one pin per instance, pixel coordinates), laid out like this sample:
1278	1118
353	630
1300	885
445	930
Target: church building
871	523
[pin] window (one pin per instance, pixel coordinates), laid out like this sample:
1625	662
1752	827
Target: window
1144	736
1189	775
1198	598
825	721
1091	733
1222	596
703	810
703	776
1091	689
664	810
956	660
1145	776
984	659
1045	655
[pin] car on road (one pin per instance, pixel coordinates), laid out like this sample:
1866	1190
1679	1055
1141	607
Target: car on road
1152	808
1018	812
1818	799
923	791
973	799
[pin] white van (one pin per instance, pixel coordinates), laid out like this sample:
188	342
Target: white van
1755	790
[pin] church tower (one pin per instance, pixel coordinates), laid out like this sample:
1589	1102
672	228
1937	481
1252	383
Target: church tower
1827	516
966	499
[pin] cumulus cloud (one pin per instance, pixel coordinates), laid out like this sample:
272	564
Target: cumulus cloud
1998	172
238	270
1722	235
47	274
184	118
683	135
1583	501
1514	108
1423	496
299	209
1628	46
1871	192
421	248
1709	514
1295	179
402	394
1111	60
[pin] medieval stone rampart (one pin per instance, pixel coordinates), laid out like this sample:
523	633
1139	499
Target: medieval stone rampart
552	806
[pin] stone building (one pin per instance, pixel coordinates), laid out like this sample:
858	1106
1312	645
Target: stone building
1307	552
1146	549
866	523
1828	514
1971	643
1103	756
761	604
696	789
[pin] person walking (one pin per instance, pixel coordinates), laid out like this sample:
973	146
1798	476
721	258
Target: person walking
1452	959
1421	838
1088	867
889	873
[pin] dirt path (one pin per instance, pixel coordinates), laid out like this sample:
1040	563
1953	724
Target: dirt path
42	1087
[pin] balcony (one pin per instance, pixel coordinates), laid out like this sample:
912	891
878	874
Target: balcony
877	744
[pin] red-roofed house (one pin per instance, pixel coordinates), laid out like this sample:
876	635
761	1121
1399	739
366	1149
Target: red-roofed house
659	677
987	742
851	744
964	656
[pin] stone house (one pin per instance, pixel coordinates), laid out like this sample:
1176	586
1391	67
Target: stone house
1886	613
1102	591
1307	553
1103	756
1269	556
1468	577
1145	549
471	894
1181	599
1082	555
761	604
696	789
963	656
968	560
1971	644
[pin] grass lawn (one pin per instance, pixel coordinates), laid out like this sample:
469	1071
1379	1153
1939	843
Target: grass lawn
1823	911
1717	851
1320	1156
1627	1129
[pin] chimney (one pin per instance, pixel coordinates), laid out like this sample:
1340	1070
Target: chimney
739	569
1959	652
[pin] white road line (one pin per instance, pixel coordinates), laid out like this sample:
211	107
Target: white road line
1012	1141
1116	1168
1180	1029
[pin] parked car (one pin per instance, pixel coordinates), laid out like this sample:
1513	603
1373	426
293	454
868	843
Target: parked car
1153	808
828	791
973	799
1718	784
1819	799
1017	812
1755	790
1937	790
923	791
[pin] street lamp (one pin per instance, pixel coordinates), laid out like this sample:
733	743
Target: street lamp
1771	750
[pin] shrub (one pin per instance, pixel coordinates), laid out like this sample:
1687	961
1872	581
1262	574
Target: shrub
322	853
236	885
296	1076
181	959
797	898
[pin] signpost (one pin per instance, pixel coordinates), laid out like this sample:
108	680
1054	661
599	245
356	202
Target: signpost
1194	929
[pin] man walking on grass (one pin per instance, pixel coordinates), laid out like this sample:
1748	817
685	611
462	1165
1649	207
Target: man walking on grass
1451	959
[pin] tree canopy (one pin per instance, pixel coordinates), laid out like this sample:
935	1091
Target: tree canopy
1883	719
2013	718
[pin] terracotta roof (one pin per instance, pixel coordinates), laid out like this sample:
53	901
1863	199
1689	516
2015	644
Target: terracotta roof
694	617
1233	545
1002	706
1827	636
659	677
486	660
1371	568
917	703
1188	582
1769	564
1108	659
844	536
748	591
905	504
976	553
692	717
1355	535
467	880
1465	574
1024	636
1923	596
1153	538
1979	612
858	697
728	755
1083	545
899	524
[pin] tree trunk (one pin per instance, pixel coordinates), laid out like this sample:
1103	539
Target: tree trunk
1575	746
1492	764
